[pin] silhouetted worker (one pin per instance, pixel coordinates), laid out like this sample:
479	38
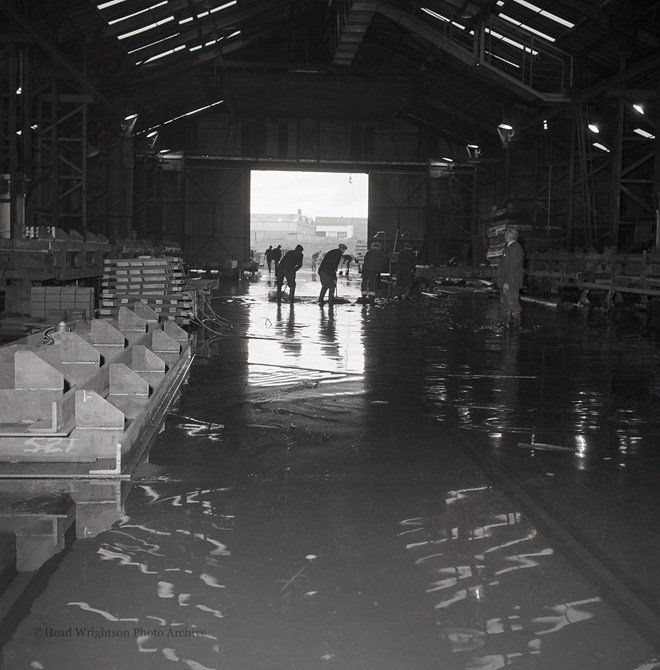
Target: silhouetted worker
405	265
328	272
375	261
269	256
510	278
277	255
346	261
286	269
315	260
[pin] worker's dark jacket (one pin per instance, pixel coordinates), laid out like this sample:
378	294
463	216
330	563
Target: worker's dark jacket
330	262
375	261
510	267
292	262
406	262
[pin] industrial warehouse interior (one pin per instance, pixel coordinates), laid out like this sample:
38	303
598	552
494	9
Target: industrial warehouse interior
329	334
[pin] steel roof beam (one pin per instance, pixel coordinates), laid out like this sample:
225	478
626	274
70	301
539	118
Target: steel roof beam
58	57
592	92
457	113
354	26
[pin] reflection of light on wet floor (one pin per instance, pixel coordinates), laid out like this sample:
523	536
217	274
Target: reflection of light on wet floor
184	565
331	343
94	610
470	557
262	377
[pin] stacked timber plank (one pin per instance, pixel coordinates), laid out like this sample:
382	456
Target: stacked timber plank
534	234
513	215
157	282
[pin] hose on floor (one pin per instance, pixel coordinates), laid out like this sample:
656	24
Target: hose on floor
208	314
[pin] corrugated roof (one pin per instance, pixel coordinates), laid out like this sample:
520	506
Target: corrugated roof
418	61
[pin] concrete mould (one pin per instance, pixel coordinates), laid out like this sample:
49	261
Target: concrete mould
89	396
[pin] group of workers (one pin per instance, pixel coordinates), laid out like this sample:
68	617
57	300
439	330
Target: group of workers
509	278
273	256
374	263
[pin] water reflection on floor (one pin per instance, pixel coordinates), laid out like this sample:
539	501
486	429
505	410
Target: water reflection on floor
314	500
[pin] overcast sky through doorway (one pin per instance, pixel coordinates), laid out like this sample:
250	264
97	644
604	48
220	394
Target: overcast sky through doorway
314	193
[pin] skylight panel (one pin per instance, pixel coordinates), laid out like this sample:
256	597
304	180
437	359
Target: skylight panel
212	42
504	60
145	28
526	27
210	11
154	129
169	52
645	134
513	43
206	44
142	11
221	7
543	12
435	15
146	46
111	3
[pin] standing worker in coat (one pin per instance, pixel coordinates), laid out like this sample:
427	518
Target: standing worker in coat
405	265
375	261
277	255
286	269
328	272
510	278
269	256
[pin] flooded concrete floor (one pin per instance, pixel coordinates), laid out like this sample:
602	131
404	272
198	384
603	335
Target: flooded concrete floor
402	486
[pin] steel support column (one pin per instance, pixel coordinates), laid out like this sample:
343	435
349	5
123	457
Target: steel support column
615	176
656	162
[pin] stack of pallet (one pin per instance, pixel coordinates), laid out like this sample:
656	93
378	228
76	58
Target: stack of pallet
158	282
512	215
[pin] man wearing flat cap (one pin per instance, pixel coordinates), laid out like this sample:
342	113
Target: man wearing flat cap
328	273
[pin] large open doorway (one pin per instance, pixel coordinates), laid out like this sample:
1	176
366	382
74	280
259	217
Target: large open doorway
315	209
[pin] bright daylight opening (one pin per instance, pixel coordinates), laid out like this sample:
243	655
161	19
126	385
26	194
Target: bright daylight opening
317	210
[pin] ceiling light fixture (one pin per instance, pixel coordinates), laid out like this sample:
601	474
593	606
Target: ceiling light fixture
506	133
645	134
473	151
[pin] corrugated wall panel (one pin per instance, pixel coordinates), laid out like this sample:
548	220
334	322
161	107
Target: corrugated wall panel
398	203
217	220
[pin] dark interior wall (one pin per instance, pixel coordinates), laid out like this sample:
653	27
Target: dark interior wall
217	155
306	140
217	215
398	208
